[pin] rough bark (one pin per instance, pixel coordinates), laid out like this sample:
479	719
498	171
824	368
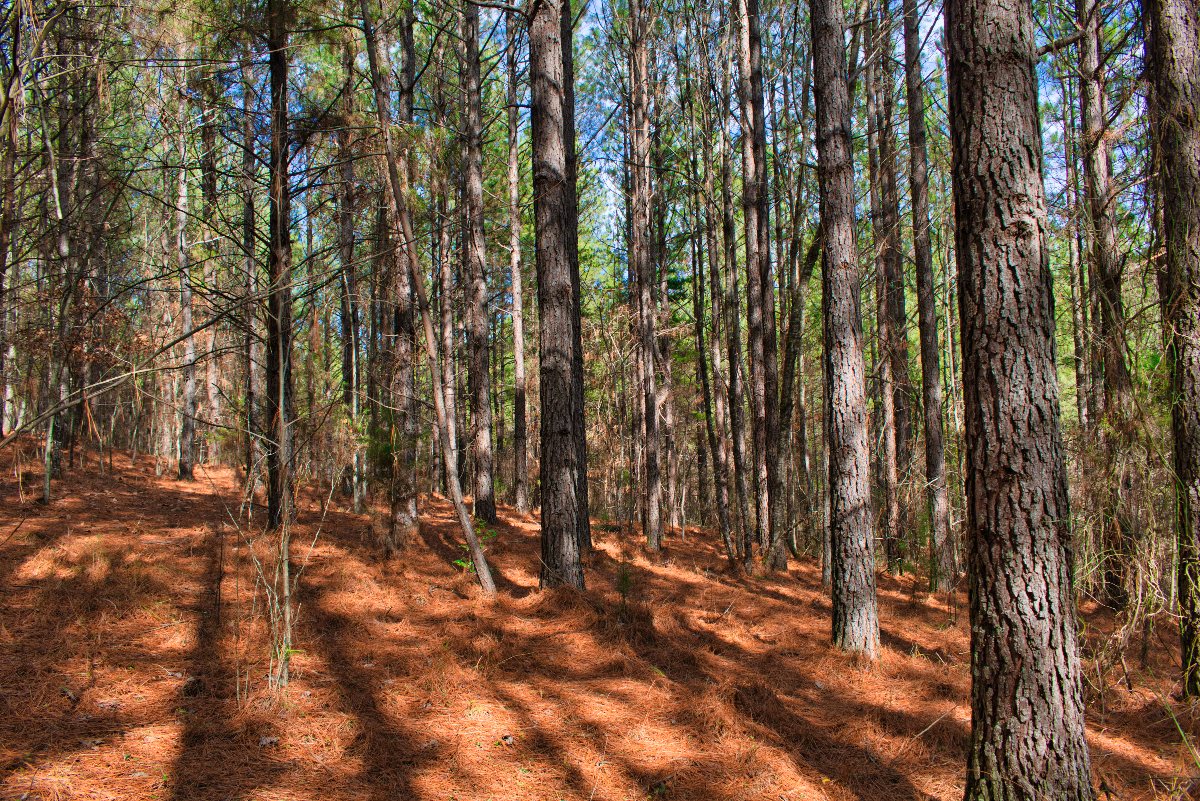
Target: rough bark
475	254
554	210
855	608
1027	722
1175	69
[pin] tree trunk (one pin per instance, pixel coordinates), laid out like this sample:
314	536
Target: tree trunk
475	254
1175	69
885	338
855	612
404	523
579	428
643	268
279	402
943	562
1107	263
554	210
757	254
187	431
350	341
252	344
520	434
1027	723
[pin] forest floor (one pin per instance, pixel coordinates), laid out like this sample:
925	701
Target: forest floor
132	666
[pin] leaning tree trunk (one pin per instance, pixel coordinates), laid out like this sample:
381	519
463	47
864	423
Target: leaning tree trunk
1027	721
1175	67
943	564
855	608
398	210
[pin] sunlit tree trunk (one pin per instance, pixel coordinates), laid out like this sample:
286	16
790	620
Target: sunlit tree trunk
852	569
1027	722
1175	69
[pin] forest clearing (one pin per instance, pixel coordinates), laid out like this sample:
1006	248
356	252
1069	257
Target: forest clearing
127	625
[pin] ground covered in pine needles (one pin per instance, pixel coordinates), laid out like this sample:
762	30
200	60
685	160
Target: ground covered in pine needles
133	664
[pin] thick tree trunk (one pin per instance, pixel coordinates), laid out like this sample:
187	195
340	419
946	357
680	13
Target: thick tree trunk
520	433
554	212
855	609
943	562
1175	69
1027	723
475	254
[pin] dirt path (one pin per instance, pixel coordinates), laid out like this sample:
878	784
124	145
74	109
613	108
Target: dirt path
132	667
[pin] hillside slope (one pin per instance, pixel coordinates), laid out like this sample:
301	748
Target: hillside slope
132	667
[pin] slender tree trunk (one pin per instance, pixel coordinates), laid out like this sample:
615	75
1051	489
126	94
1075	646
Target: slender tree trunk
520	434
350	340
14	85
885	337
208	196
1027	723
855	612
279	402
943	562
187	431
639	252
753	209
251	345
475	253
733	340
554	213
578	427
1175	70
1106	260
1075	267
404	521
